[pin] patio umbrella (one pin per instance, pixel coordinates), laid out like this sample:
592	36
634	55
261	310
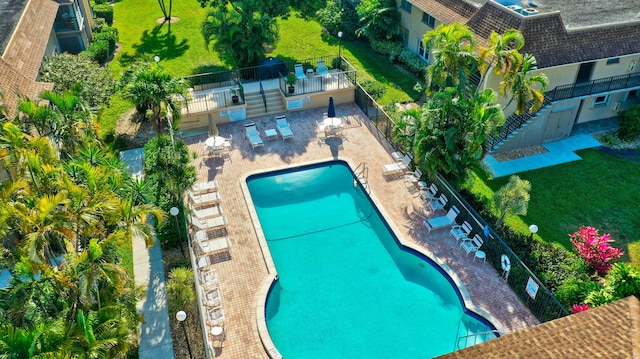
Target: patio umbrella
332	111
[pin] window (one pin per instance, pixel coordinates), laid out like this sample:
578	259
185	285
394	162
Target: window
404	35
615	60
631	95
406	6
422	51
428	19
601	101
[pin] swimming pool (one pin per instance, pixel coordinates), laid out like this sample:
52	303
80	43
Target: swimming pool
346	288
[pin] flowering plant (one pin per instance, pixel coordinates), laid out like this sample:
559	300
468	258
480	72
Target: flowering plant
579	308
596	249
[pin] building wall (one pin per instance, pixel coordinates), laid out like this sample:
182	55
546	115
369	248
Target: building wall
413	23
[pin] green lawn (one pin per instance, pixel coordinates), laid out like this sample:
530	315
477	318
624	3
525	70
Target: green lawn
600	191
182	50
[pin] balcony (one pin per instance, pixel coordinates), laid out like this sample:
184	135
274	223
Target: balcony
594	87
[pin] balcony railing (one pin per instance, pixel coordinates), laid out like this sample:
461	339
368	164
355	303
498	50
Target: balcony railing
594	87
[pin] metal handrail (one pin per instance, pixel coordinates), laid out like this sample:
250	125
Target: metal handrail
264	98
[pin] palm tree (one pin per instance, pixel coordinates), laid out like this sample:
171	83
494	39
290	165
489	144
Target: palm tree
41	340
180	292
380	19
522	85
133	220
454	58
152	88
92	270
501	56
240	30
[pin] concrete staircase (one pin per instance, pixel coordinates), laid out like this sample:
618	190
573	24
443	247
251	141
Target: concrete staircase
255	103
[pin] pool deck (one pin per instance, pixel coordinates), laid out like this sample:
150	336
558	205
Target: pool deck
242	275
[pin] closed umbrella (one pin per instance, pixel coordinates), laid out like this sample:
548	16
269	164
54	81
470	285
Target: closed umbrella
332	111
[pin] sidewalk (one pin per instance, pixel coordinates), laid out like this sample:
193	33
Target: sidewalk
558	152
155	332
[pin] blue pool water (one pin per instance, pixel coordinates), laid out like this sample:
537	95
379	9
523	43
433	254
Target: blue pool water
346	289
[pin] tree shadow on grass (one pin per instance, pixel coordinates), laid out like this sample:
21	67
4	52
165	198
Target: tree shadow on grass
156	43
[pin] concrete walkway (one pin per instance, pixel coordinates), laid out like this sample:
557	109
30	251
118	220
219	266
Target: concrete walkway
155	332
558	152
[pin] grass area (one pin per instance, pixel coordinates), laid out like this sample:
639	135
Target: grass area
398	82
181	47
109	115
600	191
126	252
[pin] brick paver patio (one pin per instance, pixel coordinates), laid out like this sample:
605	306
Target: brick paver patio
242	274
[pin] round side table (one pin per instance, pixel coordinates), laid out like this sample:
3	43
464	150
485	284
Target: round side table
217	333
480	255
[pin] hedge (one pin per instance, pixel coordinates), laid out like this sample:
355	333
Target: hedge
104	11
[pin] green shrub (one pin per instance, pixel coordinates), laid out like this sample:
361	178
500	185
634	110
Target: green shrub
99	2
611	139
335	18
575	291
373	88
104	11
385	47
413	62
98	51
98	24
629	124
108	34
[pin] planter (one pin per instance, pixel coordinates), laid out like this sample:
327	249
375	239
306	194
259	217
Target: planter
235	99
292	89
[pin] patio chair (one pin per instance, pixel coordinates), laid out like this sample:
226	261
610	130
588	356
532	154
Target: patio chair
300	75
211	297
396	167
438	203
472	244
208	278
253	135
321	68
210	223
443	221
215	316
430	193
213	211
228	143
204	187
414	176
204	199
283	127
461	231
214	246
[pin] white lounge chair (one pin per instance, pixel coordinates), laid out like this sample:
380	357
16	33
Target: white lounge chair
300	75
214	246
472	244
253	135
204	199
461	231
213	211
210	297
204	187
208	278
210	223
443	221
215	316
321	68
414	176
430	193
393	168
439	203
283	127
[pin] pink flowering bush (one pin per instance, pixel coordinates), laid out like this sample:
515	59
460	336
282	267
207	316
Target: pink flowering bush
596	249
576	308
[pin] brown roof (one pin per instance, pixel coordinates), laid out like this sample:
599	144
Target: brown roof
446	11
546	35
611	331
20	62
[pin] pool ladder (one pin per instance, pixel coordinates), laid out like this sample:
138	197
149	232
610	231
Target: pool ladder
361	174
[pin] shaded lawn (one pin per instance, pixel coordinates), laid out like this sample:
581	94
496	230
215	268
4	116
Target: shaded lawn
601	191
301	39
181	50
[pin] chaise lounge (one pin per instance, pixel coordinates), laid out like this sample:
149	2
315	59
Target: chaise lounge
443	221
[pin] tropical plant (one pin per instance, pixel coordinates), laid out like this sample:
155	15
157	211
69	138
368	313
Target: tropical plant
454	56
379	19
168	169
336	17
240	30
524	86
629	123
67	71
501	56
149	87
272	8
512	198
180	292
595	249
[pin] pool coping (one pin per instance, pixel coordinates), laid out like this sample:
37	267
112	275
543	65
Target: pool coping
272	276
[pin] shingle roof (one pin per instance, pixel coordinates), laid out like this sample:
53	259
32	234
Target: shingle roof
611	331
446	11
11	11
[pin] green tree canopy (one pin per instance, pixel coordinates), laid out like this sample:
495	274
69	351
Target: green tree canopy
379	19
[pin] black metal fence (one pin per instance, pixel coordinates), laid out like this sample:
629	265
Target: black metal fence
520	278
